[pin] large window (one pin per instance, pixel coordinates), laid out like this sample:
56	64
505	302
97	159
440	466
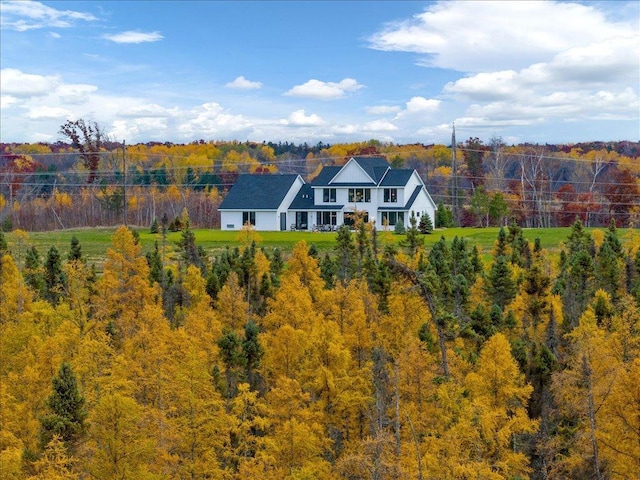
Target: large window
359	195
249	217
391	218
390	195
327	218
329	195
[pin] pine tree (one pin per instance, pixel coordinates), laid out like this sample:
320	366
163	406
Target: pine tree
33	271
500	285
75	252
67	411
412	241
253	353
53	275
4	247
154	260
426	225
345	254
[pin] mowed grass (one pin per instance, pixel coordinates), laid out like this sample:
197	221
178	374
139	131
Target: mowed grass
96	241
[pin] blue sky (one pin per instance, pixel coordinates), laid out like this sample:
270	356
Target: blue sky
330	71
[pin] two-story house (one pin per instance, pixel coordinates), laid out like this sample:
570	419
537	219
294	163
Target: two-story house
366	185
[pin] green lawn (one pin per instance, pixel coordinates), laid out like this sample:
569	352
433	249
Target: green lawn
95	241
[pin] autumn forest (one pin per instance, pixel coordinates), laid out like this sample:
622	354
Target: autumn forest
377	360
381	358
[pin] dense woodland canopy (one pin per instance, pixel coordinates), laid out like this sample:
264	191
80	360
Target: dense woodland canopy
376	361
82	183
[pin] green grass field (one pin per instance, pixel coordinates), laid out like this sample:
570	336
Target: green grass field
95	241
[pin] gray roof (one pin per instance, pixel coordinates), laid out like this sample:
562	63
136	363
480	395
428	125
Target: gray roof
396	177
304	199
374	166
258	192
325	175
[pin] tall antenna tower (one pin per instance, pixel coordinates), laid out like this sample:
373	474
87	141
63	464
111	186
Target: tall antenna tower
454	173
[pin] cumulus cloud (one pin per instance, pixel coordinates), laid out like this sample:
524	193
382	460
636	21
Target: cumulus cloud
504	35
75	93
22	16
16	83
324	90
47	113
379	126
212	121
150	110
242	83
300	119
382	109
132	36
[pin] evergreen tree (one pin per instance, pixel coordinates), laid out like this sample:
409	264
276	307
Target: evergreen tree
399	229
4	247
67	411
154	260
345	254
444	216
253	353
33	270
328	271
276	266
75	252
190	252
233	357
500	285
53	276
412	241
426	225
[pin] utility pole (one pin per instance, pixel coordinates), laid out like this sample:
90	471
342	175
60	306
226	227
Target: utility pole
124	182
454	168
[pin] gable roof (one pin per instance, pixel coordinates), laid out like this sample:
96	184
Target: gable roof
325	175
258	192
396	177
375	167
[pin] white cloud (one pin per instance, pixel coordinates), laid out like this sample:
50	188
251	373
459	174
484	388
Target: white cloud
242	83
75	93
382	109
300	119
150	110
19	84
210	120
55	35
45	113
134	37
379	126
324	90
502	36
22	16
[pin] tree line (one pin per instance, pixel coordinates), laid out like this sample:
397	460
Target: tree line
92	181
375	360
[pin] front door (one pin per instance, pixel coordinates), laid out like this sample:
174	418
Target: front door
302	220
283	221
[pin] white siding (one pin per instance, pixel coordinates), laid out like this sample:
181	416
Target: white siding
230	220
351	173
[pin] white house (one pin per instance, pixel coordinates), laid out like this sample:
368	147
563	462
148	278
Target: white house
367	185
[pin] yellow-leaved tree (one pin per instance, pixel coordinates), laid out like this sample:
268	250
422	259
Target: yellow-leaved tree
499	400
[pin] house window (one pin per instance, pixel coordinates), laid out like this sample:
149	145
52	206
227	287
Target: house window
249	217
359	195
391	218
329	195
327	218
390	195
